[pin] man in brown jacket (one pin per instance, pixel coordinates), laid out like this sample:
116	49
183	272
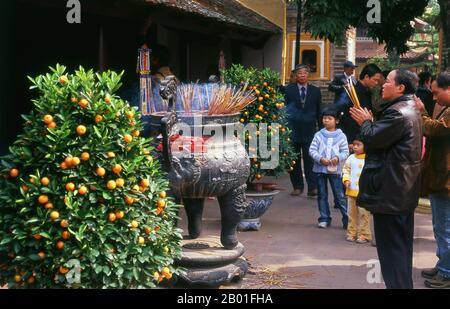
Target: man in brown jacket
436	180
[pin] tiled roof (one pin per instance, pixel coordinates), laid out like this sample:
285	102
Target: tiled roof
226	11
370	49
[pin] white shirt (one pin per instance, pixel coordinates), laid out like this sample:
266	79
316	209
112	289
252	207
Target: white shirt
349	77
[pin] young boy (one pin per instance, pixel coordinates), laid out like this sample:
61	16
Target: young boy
329	149
358	225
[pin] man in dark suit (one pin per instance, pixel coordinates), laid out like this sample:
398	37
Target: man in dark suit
369	78
303	103
337	85
292	80
424	91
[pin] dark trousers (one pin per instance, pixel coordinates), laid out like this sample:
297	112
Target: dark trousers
297	174
394	235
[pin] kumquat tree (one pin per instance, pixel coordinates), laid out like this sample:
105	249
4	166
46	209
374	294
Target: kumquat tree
268	108
82	202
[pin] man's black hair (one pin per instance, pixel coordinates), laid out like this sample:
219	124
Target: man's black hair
405	78
370	70
443	80
424	77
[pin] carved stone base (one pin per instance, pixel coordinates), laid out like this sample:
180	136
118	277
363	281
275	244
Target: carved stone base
208	263
214	276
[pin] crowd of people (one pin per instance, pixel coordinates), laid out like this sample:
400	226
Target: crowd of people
377	161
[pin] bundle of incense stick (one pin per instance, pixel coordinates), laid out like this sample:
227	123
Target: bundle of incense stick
200	98
187	92
350	89
227	99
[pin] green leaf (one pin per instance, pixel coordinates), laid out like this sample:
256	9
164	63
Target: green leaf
5	240
136	273
16	247
98	269
92	198
106	195
7	164
19	258
142	259
119	271
46	190
97	132
82	228
34	257
32	80
107	270
32	220
45	234
109	247
112	126
95	252
50	137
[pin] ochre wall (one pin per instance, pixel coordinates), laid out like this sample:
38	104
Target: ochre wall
273	10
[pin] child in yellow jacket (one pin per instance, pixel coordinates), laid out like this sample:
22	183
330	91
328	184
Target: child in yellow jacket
358	218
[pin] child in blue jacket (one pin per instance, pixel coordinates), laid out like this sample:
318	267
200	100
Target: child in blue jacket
329	150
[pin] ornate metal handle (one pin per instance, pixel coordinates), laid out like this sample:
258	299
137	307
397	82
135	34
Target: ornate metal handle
168	91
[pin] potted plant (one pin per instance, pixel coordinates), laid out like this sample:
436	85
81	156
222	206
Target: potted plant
268	109
82	202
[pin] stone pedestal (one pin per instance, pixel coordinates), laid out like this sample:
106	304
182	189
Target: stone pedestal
208	263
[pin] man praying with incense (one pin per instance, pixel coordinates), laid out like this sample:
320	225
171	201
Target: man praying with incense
357	95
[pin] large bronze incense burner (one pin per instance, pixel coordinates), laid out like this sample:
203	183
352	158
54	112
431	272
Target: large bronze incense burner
204	158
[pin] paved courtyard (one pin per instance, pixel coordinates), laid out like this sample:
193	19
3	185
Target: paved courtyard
291	252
